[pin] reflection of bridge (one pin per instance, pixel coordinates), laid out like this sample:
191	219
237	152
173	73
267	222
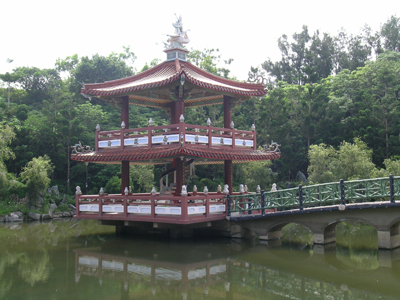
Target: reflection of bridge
321	207
249	274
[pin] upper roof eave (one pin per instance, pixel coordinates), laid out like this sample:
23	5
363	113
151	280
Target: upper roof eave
171	71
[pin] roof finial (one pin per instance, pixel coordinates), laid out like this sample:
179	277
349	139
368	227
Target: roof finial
174	46
179	37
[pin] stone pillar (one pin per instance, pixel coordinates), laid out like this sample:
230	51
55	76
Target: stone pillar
273	233
389	239
328	235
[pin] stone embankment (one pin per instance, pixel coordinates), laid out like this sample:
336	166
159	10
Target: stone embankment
19	216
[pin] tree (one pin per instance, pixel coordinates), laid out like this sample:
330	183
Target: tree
379	82
255	173
36	174
6	136
351	161
97	68
39	84
390	33
306	59
208	60
9	78
142	178
321	158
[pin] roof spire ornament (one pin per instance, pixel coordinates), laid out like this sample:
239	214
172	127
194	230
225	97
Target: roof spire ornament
180	36
174	46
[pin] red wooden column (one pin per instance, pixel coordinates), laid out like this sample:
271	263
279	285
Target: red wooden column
227	124
125	163
177	110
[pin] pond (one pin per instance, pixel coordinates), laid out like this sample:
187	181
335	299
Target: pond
82	260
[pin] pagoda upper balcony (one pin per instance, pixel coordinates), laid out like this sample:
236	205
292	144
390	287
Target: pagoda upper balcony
176	134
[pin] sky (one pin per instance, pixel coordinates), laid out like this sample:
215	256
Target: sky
37	33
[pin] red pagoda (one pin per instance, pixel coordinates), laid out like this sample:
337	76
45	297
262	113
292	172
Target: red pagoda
173	86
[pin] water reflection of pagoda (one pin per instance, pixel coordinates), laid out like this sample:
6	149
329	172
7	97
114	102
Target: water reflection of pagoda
222	269
173	86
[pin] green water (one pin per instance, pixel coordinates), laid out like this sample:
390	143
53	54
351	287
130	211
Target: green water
81	260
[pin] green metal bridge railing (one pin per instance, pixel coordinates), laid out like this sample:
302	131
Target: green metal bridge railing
342	192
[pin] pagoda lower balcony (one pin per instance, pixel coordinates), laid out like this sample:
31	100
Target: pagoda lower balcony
174	134
189	209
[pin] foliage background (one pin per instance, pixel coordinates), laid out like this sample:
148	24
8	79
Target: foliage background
333	105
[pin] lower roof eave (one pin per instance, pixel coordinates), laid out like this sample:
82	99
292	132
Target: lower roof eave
161	153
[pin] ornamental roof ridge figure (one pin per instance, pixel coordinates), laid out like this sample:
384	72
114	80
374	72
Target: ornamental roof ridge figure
179	38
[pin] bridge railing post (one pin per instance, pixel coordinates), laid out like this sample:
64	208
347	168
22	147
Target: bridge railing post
391	182
342	195
249	206
262	203
300	197
228	203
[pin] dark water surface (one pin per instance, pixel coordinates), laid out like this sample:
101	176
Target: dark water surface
81	260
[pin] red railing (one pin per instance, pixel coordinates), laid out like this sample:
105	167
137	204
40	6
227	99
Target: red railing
198	207
162	136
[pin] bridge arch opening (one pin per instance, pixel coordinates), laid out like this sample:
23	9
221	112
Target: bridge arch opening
347	232
296	234
356	234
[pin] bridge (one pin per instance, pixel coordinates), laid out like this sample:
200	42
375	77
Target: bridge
318	207
321	207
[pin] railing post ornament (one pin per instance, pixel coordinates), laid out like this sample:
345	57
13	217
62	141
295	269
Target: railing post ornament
262	203
391	181
300	197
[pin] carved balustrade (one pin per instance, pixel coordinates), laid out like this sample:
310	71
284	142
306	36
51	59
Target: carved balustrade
162	136
198	207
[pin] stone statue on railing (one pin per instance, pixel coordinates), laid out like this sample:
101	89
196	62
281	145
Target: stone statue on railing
180	36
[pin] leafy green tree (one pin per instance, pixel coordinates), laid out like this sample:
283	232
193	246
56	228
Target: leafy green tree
321	159
351	51
392	167
208	60
380	84
255	173
113	185
368	100
39	84
142	177
354	161
36	174
97	69
6	136
351	161
390	33
6	180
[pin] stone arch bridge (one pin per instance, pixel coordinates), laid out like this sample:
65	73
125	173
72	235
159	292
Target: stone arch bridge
384	217
321	207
